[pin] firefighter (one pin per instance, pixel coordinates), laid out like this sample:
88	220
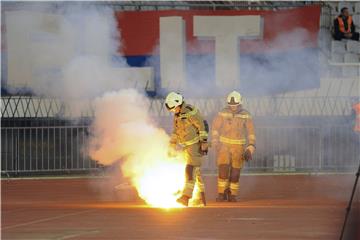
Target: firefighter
356	113
344	26
233	139
190	132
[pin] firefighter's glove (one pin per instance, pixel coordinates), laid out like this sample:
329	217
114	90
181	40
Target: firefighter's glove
249	151
204	148
172	151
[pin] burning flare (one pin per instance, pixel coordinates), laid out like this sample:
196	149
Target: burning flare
159	182
123	130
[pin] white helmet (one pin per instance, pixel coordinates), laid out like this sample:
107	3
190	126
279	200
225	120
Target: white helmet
234	98
173	100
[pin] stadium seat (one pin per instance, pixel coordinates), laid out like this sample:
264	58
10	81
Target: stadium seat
334	8
325	40
353	46
338	47
351	71
356	20
351	58
357	7
347	4
326	10
337	57
326	21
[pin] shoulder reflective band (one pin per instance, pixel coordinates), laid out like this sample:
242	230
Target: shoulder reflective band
191	113
190	142
224	114
232	141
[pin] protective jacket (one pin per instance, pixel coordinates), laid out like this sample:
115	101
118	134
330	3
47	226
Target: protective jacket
189	127
234	128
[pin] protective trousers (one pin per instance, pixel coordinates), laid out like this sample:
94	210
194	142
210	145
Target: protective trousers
193	178
230	160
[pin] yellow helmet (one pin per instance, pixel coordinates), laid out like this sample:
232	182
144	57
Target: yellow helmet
173	100
234	98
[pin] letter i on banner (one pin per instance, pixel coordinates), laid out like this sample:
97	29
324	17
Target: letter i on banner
172	53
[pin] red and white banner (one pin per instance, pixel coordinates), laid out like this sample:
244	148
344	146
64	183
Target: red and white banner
140	30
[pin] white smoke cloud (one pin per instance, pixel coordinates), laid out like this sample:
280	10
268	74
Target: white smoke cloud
69	54
123	128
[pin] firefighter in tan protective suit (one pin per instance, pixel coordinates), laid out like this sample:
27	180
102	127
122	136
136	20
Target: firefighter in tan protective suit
233	139
190	131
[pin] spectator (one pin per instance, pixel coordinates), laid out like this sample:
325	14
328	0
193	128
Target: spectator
344	26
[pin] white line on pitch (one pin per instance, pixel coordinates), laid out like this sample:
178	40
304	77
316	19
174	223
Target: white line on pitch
48	219
246	219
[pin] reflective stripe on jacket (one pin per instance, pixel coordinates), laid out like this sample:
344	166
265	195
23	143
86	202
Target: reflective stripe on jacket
234	128
189	126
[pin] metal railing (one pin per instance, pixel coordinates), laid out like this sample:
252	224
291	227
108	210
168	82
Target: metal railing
279	149
44	149
33	107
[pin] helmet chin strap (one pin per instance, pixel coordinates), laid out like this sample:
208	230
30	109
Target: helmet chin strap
237	109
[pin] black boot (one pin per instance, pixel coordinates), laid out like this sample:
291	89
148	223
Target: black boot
227	194
184	200
203	199
221	197
232	198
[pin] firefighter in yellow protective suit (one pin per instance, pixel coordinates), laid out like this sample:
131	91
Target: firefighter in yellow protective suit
190	131
233	139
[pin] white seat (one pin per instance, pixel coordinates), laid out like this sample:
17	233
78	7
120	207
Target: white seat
333	6
353	46
356	20
338	47
357	7
326	21
351	71
325	11
337	57
347	4
351	58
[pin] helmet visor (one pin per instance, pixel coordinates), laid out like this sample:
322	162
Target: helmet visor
170	108
233	102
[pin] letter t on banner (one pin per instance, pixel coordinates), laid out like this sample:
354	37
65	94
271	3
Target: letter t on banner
172	53
227	30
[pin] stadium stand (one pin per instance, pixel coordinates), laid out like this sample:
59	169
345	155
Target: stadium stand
344	53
